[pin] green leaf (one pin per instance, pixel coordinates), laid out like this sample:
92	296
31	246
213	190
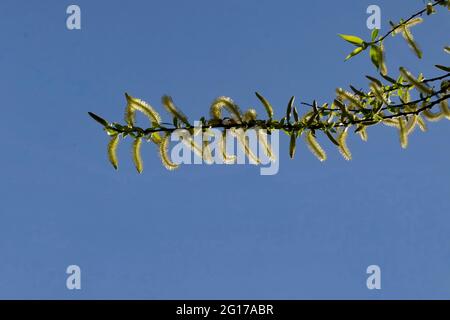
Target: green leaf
289	108
100	120
295	114
110	131
391	80
315	106
375	34
444	68
358	92
339	104
332	139
292	145
357	41
266	105
354	53
376	55
430	8
378	82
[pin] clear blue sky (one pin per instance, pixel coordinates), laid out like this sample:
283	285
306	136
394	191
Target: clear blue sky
210	231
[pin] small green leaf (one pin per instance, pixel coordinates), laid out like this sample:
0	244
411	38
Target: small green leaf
391	80
430	8
375	34
110	131
315	106
289	108
376	55
175	122
358	92
292	145
354	53
332	139
357	41
295	114
444	68
100	120
378	82
266	105
340	105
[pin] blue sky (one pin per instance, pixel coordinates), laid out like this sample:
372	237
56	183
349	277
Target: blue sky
210	232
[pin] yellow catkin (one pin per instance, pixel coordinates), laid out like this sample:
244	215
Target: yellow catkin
411	79
307	116
164	153
194	147
403	133
363	134
407	35
411	23
377	91
187	140
383	66
144	107
112	151
433	117
406	96
421	124
445	109
250	115
343	148
207	153
137	159
391	123
262	138
266	105
130	116
411	124
243	142
345	95
228	104
315	147
227	159
171	108
414	22
155	138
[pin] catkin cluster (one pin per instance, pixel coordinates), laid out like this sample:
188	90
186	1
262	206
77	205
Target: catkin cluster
404	102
